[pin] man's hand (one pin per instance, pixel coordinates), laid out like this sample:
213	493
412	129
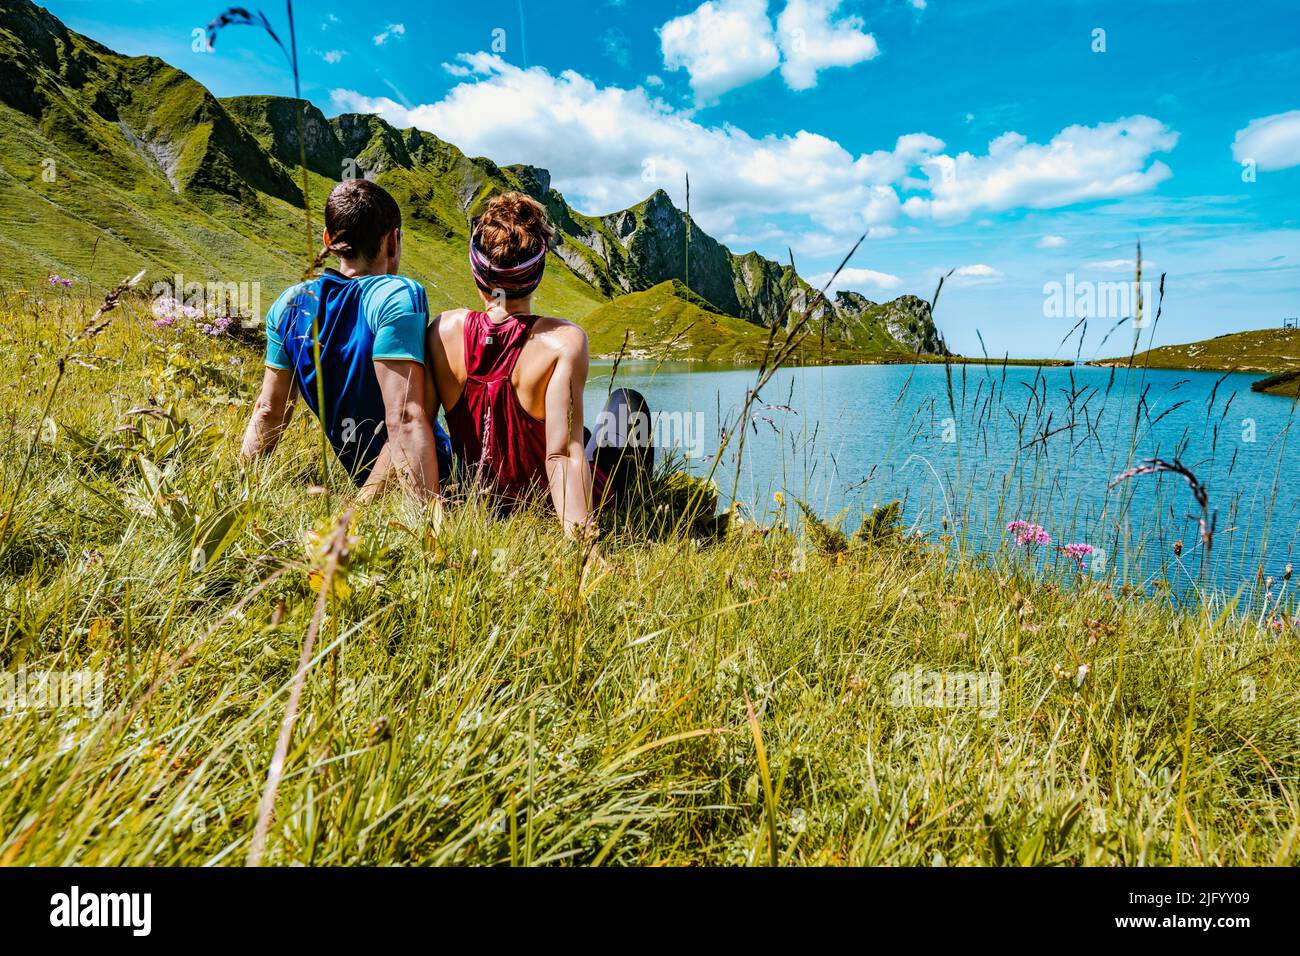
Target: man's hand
272	413
410	450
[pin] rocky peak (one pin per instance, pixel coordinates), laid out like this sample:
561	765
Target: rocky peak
852	303
536	182
274	121
908	320
371	143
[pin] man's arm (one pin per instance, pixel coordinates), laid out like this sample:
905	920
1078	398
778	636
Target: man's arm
410	450
271	414
567	472
381	476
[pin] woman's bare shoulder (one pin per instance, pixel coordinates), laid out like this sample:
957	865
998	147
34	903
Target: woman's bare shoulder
452	317
561	334
448	325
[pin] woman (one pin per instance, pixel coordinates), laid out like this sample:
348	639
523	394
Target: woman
511	382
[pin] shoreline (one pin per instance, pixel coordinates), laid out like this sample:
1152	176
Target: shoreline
1282	383
609	359
1271	354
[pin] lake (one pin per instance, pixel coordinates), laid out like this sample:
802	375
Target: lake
968	455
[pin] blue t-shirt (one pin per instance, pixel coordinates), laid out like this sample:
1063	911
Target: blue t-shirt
360	321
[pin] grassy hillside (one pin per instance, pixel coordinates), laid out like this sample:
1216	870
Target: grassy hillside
113	164
671	323
472	696
1270	351
86	227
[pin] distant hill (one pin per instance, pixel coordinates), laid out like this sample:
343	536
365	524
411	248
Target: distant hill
1275	352
671	323
112	163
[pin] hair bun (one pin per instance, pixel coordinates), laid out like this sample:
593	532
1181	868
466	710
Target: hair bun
513	229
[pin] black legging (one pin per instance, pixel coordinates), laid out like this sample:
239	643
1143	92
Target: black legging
622	445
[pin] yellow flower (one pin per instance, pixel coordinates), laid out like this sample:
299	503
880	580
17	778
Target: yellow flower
779	498
339	587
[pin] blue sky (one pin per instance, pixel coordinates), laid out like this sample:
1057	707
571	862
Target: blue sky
1020	143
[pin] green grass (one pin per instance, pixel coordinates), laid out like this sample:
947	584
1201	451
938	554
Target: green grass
1268	351
474	697
1284	383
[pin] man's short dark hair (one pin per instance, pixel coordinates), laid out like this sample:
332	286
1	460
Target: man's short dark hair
358	215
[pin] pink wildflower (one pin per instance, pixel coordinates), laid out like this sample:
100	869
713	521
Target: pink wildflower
218	326
1027	534
169	311
1080	553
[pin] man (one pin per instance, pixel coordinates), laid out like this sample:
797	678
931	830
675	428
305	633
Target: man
370	324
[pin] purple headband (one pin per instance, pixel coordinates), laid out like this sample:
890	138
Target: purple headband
515	281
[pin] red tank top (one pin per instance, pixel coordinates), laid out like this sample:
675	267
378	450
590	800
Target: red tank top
502	445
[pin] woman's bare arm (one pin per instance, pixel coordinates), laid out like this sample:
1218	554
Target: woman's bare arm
567	473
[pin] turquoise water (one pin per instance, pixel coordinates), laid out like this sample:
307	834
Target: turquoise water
1022	443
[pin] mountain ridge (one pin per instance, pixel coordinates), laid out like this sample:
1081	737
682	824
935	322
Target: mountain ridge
129	125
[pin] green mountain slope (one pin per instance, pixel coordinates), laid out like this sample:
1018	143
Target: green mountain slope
669	322
1272	351
113	163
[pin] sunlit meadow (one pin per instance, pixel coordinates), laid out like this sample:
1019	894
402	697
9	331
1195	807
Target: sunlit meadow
455	688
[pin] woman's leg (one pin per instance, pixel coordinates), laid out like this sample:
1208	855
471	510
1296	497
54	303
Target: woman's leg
621	448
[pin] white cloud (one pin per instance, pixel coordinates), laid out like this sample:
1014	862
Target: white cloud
976	274
1051	242
858	279
978	271
725	44
1079	164
722	44
812	41
882	206
397	30
609	147
1273	142
333	56
917	4
1119	265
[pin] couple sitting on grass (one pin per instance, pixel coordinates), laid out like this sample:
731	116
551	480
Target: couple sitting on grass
361	348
